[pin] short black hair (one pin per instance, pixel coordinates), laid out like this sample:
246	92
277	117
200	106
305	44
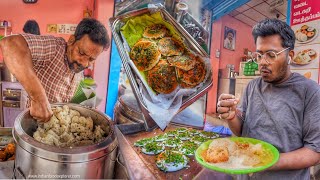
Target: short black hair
270	27
96	31
229	31
31	27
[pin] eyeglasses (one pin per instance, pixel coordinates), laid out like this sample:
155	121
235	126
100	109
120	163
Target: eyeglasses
269	56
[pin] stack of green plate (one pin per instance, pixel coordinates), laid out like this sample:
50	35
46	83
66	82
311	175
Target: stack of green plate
250	68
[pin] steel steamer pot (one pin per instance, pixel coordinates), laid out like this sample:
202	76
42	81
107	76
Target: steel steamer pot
38	160
127	109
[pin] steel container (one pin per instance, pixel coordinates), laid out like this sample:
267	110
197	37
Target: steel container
127	115
128	106
37	160
116	24
6	75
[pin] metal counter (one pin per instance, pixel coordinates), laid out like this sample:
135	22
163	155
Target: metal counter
141	166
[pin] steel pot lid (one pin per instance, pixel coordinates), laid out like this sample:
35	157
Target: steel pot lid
118	117
130	107
25	126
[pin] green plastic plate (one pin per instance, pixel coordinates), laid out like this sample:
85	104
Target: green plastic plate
265	145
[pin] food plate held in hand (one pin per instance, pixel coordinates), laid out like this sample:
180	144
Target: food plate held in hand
237	155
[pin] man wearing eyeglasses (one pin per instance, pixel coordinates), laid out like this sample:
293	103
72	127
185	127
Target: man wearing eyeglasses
280	107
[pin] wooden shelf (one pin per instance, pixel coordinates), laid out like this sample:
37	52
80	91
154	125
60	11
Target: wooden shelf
246	77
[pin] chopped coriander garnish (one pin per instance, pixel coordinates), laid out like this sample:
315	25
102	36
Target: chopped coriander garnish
153	147
181	130
143	141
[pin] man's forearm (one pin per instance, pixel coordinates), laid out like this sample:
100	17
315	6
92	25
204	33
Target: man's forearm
235	125
18	60
298	159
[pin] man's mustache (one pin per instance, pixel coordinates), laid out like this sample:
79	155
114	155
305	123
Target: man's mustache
80	67
263	68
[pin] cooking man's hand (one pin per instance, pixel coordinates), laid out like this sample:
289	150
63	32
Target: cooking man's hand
227	106
18	59
41	110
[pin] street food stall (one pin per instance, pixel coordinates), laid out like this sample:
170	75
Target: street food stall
153	154
130	107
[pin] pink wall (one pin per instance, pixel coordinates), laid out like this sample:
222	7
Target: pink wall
103	11
44	12
215	44
244	39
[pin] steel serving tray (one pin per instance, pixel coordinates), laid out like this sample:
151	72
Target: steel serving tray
117	22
